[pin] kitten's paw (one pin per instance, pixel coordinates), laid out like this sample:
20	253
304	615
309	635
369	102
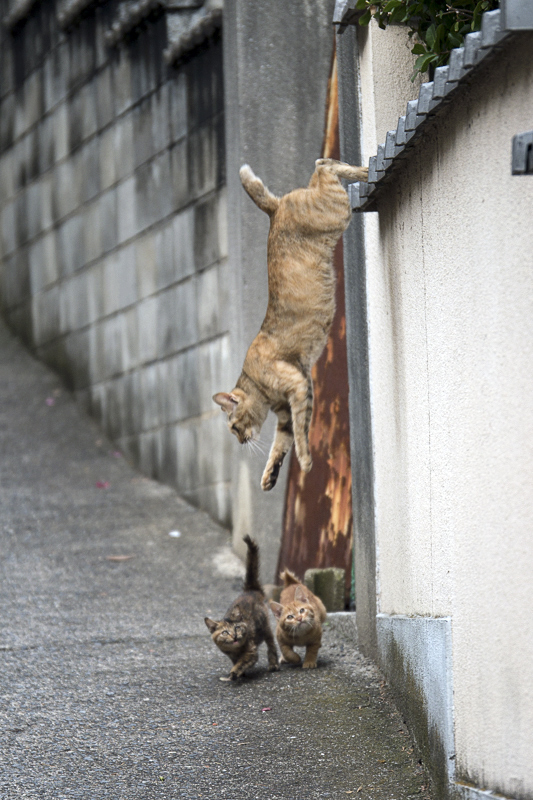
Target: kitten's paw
363	174
273	668
309	665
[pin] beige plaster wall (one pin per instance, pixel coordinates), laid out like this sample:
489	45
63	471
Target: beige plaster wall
450	308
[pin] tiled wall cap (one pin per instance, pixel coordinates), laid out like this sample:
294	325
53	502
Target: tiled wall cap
432	93
491	32
456	65
516	15
439	82
372	172
471	47
390	145
425	96
400	132
410	115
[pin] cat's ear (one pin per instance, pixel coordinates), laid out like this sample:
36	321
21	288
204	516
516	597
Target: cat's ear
276	608
211	624
300	595
226	401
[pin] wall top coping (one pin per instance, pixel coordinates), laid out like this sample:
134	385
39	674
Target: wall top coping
497	26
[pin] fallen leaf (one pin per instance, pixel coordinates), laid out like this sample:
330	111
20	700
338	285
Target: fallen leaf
119	558
358	790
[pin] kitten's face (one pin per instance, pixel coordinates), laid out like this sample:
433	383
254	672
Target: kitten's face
297	617
228	636
241	420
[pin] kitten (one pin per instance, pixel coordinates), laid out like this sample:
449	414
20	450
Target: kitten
245	624
300	616
305	226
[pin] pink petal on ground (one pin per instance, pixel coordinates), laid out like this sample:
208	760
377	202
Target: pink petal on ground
50	401
102	484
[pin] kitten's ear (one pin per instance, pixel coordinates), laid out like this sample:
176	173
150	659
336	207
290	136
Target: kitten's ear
227	401
211	624
276	608
300	594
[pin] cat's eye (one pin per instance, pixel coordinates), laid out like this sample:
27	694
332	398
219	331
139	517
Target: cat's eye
290	616
302	610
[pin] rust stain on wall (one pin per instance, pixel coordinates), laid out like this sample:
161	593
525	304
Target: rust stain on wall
317	525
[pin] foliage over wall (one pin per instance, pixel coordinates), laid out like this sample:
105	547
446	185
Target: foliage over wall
436	26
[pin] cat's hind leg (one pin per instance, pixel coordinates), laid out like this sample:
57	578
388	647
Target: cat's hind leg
301	402
342	170
257	190
280	447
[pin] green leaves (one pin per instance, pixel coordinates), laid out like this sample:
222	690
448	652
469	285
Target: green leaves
435	26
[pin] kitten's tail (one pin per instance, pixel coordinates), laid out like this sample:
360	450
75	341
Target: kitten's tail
288	577
251	578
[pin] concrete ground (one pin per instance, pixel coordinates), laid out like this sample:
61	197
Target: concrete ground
109	681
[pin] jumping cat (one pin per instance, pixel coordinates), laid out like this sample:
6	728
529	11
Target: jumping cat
245	624
300	615
305	226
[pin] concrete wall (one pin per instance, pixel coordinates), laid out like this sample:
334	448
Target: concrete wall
276	66
126	262
450	307
114	241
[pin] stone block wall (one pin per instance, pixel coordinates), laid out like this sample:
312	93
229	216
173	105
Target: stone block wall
113	245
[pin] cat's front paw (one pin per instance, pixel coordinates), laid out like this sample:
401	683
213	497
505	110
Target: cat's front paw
273	667
363	174
270	477
309	665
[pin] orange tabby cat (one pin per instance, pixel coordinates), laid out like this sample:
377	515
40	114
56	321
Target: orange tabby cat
305	226
300	616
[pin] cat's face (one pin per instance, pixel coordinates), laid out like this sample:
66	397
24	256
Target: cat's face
242	417
297	617
228	636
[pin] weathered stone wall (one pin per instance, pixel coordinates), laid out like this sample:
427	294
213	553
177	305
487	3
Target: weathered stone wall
113	234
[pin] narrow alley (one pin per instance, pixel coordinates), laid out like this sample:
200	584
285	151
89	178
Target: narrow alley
109	682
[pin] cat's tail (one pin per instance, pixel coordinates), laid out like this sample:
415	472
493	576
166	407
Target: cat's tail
251	578
288	577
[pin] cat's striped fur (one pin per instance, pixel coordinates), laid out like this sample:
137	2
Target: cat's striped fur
305	226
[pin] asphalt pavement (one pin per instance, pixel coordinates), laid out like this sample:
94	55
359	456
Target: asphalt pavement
109	681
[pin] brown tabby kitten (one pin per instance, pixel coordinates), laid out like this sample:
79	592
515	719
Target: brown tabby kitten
300	616
245	624
305	226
